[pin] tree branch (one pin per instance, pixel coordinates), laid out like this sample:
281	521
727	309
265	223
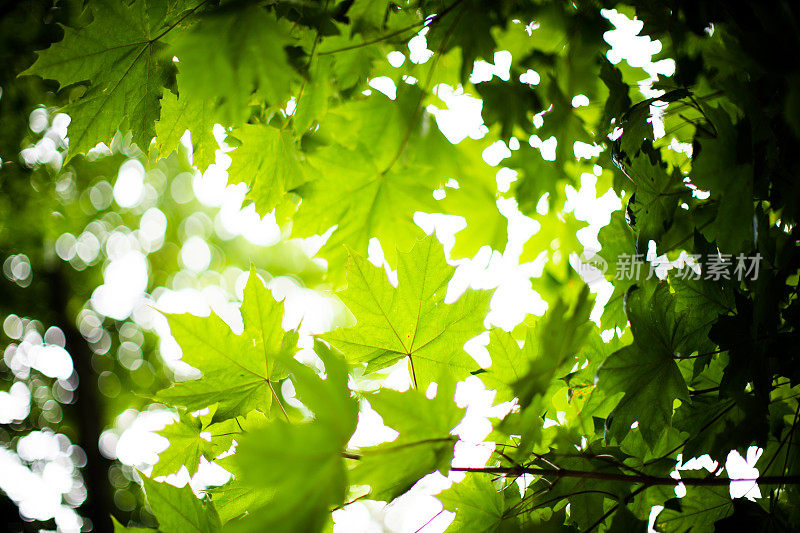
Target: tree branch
629	478
88	405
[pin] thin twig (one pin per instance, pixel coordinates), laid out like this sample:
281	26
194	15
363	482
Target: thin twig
615	508
423	526
428	22
418	108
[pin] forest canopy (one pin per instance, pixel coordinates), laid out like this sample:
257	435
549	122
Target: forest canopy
412	266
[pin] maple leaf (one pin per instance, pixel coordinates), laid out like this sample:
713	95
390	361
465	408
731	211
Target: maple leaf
618	100
240	372
564	123
657	194
269	161
352	58
365	204
186	446
178	510
646	371
300	464
509	363
232	54
423	445
697	511
550	345
716	167
312	104
121	54
537	177
475	197
411	321
179	114
479	506
363	187
367	15
617	241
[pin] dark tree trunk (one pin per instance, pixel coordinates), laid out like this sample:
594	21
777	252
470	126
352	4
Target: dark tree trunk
87	406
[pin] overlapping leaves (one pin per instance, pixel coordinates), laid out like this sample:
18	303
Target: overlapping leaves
122	56
367	163
423	446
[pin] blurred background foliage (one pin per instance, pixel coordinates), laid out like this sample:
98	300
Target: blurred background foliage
61	232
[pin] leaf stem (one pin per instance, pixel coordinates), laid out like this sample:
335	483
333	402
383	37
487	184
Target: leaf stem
277	399
181	19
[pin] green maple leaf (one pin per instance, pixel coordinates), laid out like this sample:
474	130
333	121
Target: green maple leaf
512	104
410	321
475	198
367	15
361	184
423	446
300	464
269	161
181	113
469	30
233	501
119	528
638	126
637	122
625	520
646	371
716	167
303	467
537	177
509	363
479	506
617	240
240	372
352	58
237	52
552	346
122	56
717	426
352	193
328	398
555	233
657	195
618	93
703	301
564	124
586	495
186	446
312	104
224	433
178	510
697	511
